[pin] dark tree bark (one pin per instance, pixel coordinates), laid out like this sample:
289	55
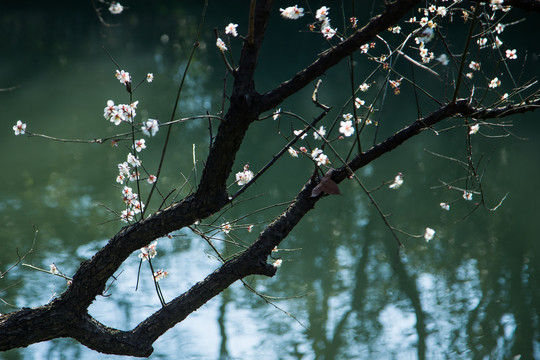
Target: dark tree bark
67	315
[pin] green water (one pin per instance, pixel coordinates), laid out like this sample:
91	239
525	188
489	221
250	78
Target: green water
470	293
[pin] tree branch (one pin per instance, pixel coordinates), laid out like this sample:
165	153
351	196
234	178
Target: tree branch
331	57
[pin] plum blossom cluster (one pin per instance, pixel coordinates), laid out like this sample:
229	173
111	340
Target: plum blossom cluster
227	227
148	252
133	205
229	30
319	157
292	12
326	29
426	55
243	177
123	76
120	113
295	12
160	274
128	171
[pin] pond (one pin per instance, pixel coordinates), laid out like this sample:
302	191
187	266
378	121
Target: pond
344	291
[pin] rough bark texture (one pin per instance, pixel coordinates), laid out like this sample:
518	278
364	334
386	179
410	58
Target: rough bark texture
67	315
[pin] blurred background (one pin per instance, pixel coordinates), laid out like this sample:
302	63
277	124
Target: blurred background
343	291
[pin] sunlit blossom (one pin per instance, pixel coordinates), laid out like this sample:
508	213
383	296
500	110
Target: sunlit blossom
149	77
359	102
495	83
292	12
328	32
346	128
499	28
127	215
482	41
116	8
137	206
117	116
322	13
498	42
511	54
292	152
160	275
123	76
354	22
127	192
231	29
398	181
250	228
277	263
226	227
54	269
474	66
107	112
19	128
123	168
121	178
148	252
133	160
221	45
428	235
364	48
134	176
139	145
467	195
395	29
322	159
151	179
474	129
129	115
320	133
496	4
369	122
441	11
298	132
395	85
150	127
315	152
276	114
243	177
364	87
445	206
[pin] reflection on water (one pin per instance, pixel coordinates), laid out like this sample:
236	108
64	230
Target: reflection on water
472	292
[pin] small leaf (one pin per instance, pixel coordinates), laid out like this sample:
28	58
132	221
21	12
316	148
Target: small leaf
327	185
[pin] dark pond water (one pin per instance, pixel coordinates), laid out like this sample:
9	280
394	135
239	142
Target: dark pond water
472	292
